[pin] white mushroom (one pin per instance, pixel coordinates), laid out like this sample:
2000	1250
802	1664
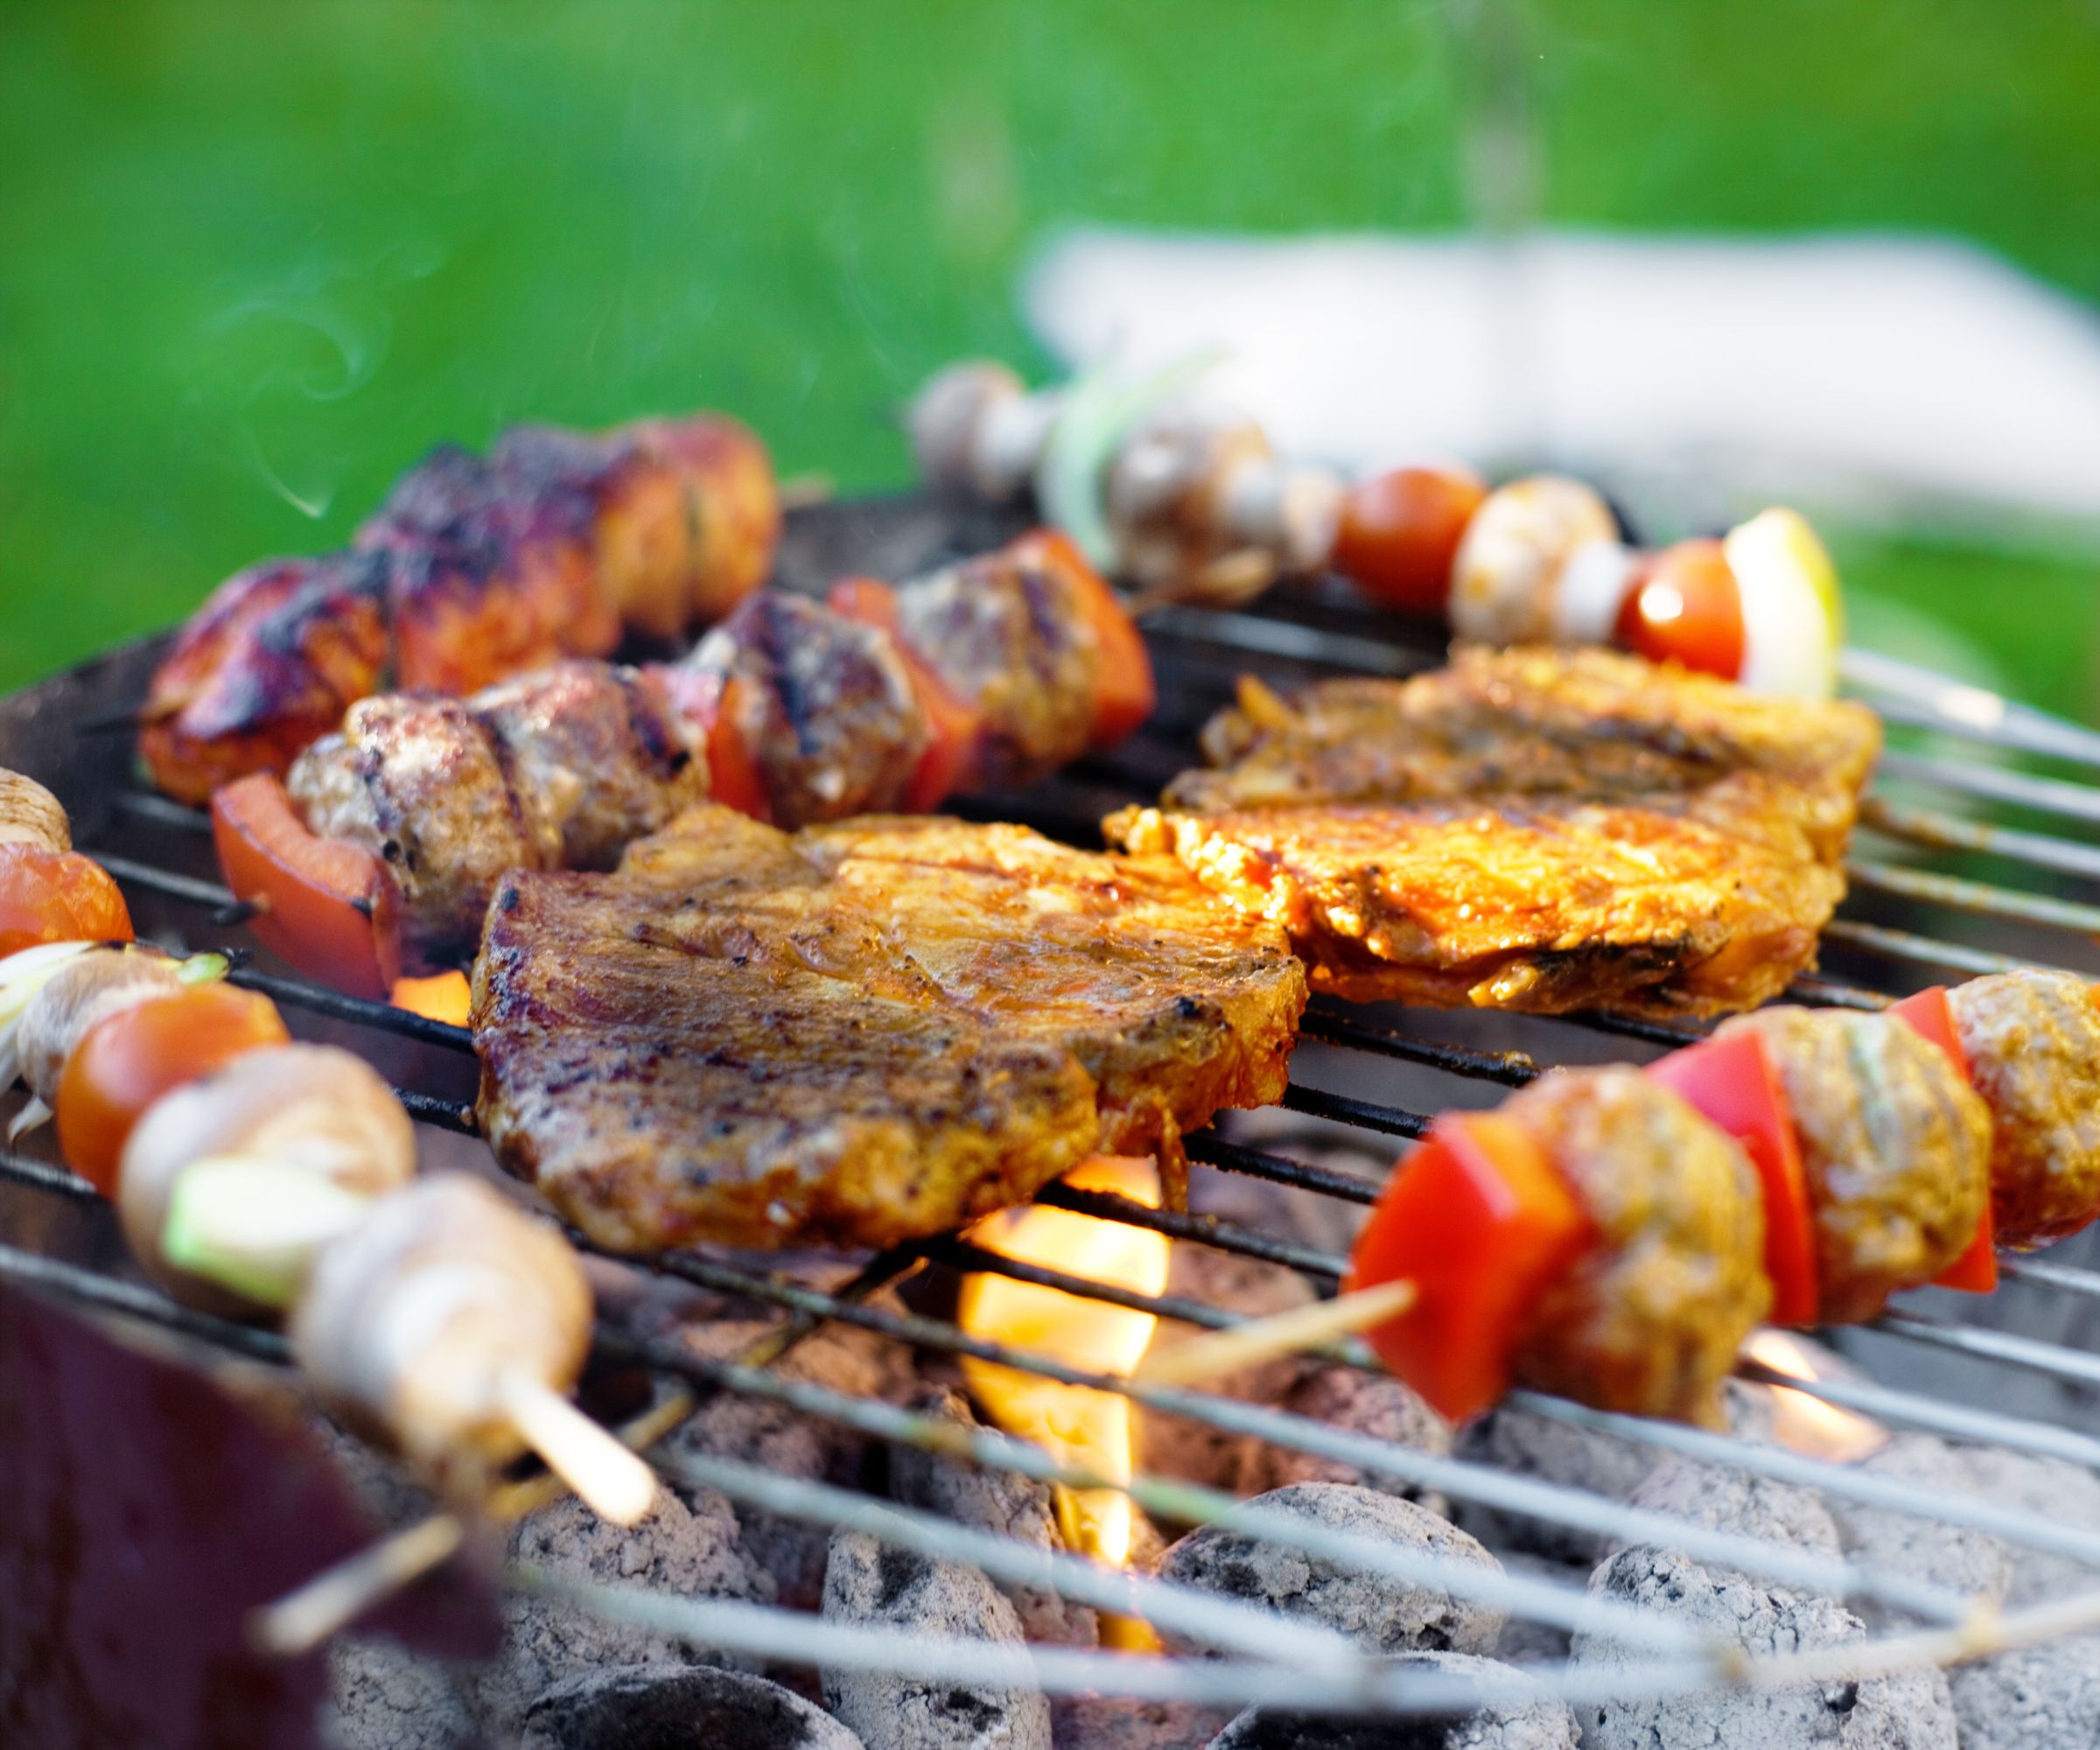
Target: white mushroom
31	814
86	989
1506	579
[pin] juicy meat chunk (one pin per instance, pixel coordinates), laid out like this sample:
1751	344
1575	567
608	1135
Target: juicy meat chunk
857	1033
1541	830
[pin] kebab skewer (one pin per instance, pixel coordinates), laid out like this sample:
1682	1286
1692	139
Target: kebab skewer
474	569
383	847
252	1174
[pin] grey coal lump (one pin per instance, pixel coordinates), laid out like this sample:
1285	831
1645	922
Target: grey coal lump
1950	1556
1529	1445
877	1585
1003	1502
1379	1614
1362	1403
1521	1715
1721	1499
1110	1722
687	1552
2063	1492
2039	1696
678	1707
383	1697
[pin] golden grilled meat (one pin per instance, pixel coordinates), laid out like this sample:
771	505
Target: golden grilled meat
1531	829
860	1033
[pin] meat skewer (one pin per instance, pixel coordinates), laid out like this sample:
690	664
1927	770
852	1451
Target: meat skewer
382	849
473	570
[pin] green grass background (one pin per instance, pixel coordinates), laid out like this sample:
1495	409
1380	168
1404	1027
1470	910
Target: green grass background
255	256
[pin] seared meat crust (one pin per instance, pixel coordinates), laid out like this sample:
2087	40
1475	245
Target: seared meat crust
857	1033
1541	830
1649	1318
2033	1040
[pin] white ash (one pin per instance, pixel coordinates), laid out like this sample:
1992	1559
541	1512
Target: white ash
1522	1443
1376	1612
1013	1506
383	1697
2046	1696
1950	1556
1522	1716
874	1584
2057	1489
1359	1402
1118	1723
1182	1447
687	1552
1719	1498
1525	1639
678	1707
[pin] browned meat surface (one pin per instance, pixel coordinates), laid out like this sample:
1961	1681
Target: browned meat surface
1896	1146
1649	1318
2033	1045
1541	830
859	1033
559	770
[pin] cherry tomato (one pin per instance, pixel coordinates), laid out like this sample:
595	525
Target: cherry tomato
1124	692
1733	1084
1479	1220
1686	607
57	896
330	907
953	723
1929	1014
126	1060
1400	531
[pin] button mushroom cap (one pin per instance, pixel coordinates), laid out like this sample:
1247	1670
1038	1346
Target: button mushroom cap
31	814
86	990
1506	577
946	421
410	1324
309	1109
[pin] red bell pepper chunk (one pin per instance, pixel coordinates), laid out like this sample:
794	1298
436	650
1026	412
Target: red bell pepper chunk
1124	689
954	725
1931	1016
1479	1220
1733	1083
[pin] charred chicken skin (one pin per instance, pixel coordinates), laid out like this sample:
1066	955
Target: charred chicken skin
860	1033
473	570
1530	828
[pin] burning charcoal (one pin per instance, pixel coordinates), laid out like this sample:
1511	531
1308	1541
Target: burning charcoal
1533	1446
1721	1499
1177	1446
382	1697
2059	1490
1949	1556
678	1707
1525	1641
876	1585
1379	1614
1015	1506
2047	1695
686	1551
1362	1403
1118	1722
1523	1717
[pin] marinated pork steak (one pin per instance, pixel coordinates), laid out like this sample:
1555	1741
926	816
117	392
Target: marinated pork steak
860	1033
1531	829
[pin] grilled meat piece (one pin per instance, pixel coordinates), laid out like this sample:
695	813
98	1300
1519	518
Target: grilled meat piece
857	1033
559	770
1895	1144
1541	830
2033	1040
1649	1319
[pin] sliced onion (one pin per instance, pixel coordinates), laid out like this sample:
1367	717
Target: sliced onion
1793	615
31	1117
1590	591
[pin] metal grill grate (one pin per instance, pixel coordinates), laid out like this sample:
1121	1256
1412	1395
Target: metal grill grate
159	851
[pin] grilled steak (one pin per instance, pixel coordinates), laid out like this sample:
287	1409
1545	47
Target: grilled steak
859	1033
1541	830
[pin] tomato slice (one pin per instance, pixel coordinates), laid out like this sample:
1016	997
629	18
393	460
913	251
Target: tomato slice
1733	1083
1929	1014
1124	692
330	907
954	725
1400	531
57	896
1479	1220
1686	608
126	1060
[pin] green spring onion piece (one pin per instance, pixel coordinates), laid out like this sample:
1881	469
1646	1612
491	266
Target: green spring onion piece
254	1226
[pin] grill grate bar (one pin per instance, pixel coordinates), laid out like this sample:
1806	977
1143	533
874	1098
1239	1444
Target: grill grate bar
1899	944
1979	897
1512	1068
1370	1115
2080	1366
359	1011
1231	1157
1950	832
1997	784
100	1293
59	1180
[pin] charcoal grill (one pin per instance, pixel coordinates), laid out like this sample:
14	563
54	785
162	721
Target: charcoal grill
1943	891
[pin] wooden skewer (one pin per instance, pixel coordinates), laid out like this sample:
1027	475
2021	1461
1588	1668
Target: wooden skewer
301	1621
1284	1334
612	1482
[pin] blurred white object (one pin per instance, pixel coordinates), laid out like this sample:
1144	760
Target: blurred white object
1905	377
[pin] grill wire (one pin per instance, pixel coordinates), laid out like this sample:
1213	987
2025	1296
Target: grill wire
1293	639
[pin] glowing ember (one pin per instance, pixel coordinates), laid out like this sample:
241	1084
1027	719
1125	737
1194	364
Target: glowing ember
442	998
1807	1425
1075	1426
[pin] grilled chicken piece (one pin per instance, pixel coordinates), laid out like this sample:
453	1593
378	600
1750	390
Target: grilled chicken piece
1540	830
858	1033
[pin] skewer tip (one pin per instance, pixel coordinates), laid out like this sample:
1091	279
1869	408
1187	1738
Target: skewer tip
1285	1334
615	1483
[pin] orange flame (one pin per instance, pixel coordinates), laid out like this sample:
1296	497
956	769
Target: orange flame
1075	1425
1807	1425
443	997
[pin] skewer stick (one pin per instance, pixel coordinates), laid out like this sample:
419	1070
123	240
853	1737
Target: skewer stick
612	1482
1284	1334
301	1619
